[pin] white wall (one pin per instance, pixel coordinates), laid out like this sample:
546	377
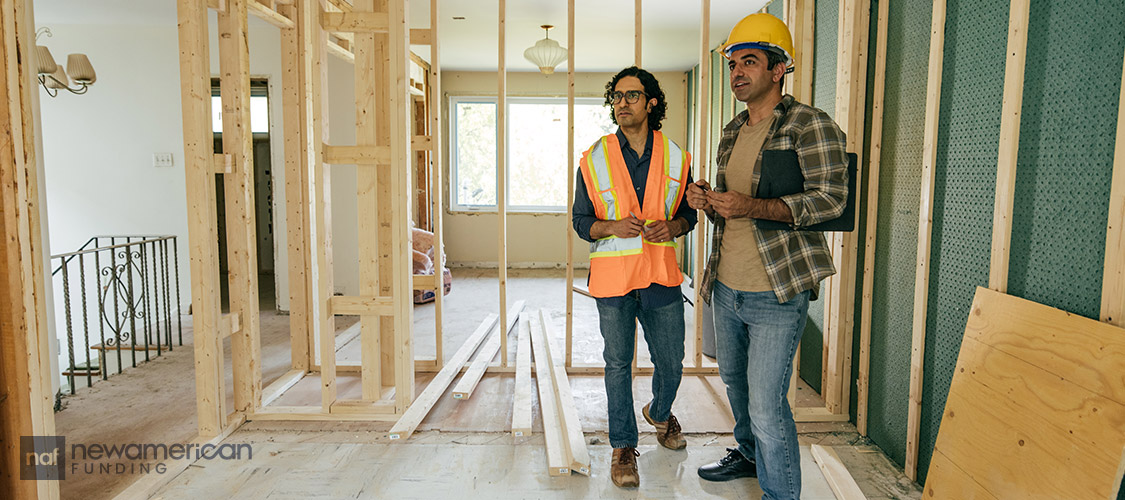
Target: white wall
534	240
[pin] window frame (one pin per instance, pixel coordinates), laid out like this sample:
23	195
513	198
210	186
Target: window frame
455	206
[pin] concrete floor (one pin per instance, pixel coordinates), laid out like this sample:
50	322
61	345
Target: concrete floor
459	444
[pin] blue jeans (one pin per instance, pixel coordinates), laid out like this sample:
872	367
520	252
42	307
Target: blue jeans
664	332
755	339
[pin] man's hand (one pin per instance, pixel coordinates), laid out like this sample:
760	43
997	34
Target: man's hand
731	204
628	227
697	195
662	231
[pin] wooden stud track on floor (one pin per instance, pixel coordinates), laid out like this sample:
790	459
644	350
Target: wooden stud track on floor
521	402
925	228
422	405
874	158
578	457
1011	110
464	388
1113	281
839	480
558	461
195	85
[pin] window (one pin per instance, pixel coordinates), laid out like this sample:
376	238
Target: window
536	150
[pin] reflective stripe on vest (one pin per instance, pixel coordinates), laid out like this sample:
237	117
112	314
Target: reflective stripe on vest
612	246
603	178
674	160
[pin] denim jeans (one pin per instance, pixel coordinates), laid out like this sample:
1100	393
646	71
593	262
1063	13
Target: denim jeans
664	332
755	339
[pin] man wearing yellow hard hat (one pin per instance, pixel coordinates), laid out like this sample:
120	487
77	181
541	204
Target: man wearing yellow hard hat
759	281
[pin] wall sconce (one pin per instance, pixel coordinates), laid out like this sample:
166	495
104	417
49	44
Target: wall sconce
546	53
53	77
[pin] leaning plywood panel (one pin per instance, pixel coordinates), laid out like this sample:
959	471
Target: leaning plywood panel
1037	396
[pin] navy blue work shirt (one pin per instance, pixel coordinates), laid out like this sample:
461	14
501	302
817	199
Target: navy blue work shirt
656	295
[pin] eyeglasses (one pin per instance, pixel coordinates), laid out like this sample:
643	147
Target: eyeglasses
631	97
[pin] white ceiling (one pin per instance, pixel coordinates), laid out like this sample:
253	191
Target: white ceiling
603	28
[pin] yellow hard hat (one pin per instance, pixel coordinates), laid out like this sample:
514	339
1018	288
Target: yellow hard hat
761	31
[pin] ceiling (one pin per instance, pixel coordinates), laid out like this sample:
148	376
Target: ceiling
603	28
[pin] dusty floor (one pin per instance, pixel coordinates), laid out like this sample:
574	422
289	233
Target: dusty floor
155	403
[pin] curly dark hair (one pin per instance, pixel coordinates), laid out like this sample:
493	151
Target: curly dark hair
652	91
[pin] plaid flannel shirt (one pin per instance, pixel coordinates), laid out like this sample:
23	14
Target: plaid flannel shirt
794	260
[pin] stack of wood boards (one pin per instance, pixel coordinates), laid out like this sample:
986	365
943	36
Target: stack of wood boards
1036	408
429	396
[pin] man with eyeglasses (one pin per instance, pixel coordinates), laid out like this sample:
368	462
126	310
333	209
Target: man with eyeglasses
628	203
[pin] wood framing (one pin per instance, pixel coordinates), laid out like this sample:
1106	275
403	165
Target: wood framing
521	401
502	177
26	398
1010	111
577	456
558	461
701	161
571	166
851	79
464	388
369	55
384	81
195	84
434	100
1039	383
398	48
874	153
801	21
925	228
1113	282
241	242
425	401
637	31
839	480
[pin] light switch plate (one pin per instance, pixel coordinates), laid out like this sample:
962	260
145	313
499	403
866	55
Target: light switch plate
162	159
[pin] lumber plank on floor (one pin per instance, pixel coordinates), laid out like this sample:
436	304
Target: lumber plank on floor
425	401
521	402
564	399
557	459
839	479
465	386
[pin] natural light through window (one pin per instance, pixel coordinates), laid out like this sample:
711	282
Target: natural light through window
259	114
536	157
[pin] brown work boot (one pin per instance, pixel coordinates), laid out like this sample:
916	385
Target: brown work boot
668	432
623	470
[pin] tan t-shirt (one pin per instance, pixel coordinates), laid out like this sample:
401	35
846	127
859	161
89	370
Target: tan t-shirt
740	264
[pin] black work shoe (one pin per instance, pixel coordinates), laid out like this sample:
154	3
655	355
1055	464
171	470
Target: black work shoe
732	466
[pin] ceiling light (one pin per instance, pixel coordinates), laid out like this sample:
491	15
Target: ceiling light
546	53
52	76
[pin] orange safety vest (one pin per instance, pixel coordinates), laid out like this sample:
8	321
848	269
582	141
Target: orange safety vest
620	265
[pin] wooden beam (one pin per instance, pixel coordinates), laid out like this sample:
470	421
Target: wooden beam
385	205
421	143
339	51
357	21
364	305
425	401
434	100
637	33
195	85
421	37
368	56
268	15
379	413
357	155
398	48
426	281
578	456
925	229
1113	281
874	158
802	25
26	398
242	240
279	386
569	332
839	480
502	177
701	167
313	43
297	239
521	402
223	163
217	5
465	386
1011	110
558	463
